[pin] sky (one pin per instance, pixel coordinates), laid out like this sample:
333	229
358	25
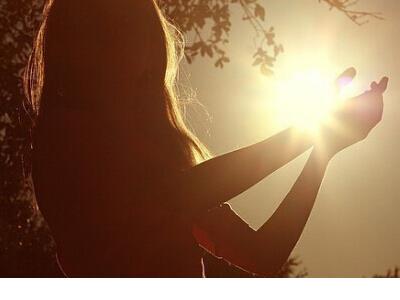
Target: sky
354	229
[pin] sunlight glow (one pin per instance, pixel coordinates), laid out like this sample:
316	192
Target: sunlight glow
307	97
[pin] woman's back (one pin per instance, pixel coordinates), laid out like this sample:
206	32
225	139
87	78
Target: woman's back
92	186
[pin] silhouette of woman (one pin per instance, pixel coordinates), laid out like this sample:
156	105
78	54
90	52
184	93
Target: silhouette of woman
125	187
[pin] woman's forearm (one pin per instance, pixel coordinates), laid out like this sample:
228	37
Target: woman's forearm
217	180
275	240
266	250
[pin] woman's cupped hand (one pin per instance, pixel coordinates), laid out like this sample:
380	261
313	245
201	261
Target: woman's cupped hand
354	118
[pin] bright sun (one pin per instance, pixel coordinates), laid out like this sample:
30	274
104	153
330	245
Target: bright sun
306	98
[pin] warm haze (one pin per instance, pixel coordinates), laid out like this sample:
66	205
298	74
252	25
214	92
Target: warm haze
354	229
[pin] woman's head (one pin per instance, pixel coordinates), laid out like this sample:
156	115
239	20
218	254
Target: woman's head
117	57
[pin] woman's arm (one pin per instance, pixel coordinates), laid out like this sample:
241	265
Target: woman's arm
217	180
264	251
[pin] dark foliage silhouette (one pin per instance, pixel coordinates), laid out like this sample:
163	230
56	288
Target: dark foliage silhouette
219	268
391	273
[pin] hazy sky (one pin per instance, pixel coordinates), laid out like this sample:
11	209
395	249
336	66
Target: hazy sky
354	229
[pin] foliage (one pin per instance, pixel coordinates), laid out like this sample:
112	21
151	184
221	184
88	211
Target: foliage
357	16
26	248
290	269
208	23
395	273
219	268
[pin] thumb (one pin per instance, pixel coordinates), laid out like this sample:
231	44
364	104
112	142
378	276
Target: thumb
345	78
374	85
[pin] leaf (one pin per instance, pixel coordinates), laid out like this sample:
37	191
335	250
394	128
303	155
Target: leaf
265	70
259	12
258	61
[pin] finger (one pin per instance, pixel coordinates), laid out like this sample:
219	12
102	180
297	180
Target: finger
374	85
382	85
345	78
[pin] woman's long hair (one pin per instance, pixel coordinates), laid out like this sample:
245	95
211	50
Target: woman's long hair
84	57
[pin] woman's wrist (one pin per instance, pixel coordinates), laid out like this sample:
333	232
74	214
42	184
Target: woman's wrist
322	141
330	141
323	154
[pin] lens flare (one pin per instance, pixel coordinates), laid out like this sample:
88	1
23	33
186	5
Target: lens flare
304	99
307	97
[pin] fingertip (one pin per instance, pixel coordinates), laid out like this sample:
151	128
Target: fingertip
383	83
349	73
346	77
352	72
